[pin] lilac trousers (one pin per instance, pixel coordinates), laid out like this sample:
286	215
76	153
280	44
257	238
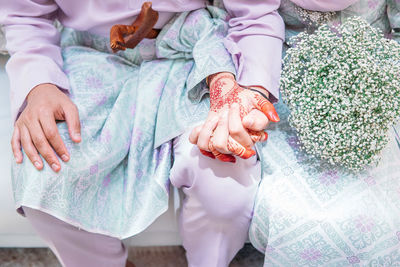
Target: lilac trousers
214	220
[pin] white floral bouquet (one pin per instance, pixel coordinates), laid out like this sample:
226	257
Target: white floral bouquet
342	86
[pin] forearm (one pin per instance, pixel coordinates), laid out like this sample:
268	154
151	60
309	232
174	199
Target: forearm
33	43
255	42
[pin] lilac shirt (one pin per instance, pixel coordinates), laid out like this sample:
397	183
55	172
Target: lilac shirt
254	39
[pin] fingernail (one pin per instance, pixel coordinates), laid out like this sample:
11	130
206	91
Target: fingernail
248	154
208	154
227	158
77	136
265	137
37	164
55	166
274	117
17	159
64	157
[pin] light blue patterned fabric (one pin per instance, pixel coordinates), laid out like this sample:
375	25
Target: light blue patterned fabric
393	12
131	105
308	213
382	14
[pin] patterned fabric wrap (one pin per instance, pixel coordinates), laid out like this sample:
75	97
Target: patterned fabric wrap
393	11
2	42
308	213
131	105
382	14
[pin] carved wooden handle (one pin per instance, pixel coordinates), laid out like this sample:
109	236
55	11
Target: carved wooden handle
129	36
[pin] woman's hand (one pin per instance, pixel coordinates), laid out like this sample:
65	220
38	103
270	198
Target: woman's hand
36	131
232	110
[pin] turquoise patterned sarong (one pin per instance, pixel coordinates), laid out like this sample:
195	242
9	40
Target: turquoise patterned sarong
131	105
308	213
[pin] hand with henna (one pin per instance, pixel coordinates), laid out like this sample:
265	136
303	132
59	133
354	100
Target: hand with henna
237	119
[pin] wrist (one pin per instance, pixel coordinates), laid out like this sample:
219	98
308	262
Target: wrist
213	77
40	88
260	89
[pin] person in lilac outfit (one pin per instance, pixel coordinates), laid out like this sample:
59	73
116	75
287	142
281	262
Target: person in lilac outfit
95	133
308	212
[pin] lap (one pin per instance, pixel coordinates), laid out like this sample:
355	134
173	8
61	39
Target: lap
217	186
116	161
130	106
309	213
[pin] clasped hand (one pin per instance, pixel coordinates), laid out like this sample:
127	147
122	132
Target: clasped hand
236	120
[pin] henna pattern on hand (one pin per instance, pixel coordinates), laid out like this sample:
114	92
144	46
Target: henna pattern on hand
221	95
225	91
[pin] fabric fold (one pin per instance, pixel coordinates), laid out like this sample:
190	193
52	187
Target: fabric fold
131	104
204	46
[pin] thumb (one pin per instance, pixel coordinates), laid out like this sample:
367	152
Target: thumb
266	107
72	119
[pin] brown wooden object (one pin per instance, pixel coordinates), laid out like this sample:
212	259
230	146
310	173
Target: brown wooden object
129	36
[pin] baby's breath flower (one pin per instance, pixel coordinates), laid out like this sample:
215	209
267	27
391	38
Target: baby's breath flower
342	86
312	18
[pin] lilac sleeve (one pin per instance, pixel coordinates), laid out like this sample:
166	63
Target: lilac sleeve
255	42
33	43
324	5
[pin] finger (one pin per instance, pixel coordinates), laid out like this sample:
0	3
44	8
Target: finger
220	135
218	142
42	145
72	119
194	135
207	154
256	120
50	130
266	107
239	150
206	132
220	156
259	136
29	148
16	145
236	129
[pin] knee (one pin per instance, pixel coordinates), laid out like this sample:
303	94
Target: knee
218	189
225	200
213	191
186	162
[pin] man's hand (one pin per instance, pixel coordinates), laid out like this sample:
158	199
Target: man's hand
36	131
236	119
